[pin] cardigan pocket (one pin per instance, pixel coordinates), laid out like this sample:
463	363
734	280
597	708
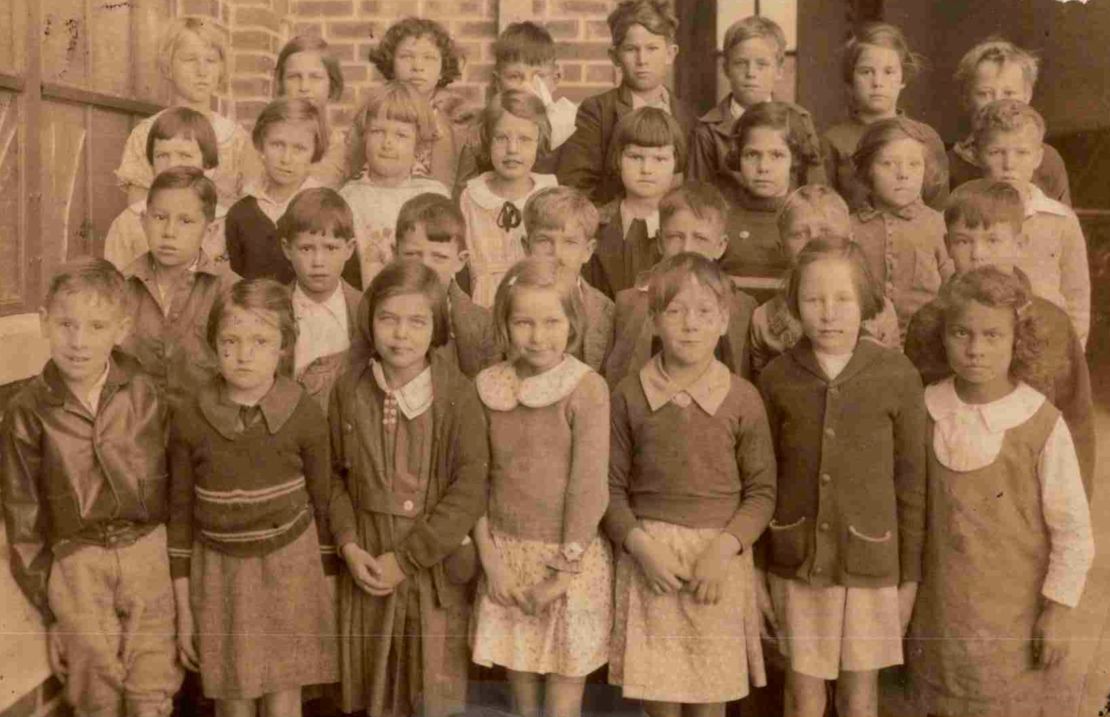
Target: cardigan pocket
874	556
788	543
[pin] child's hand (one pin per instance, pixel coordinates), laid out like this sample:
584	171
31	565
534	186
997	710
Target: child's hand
501	586
907	596
389	575
662	569
1050	639
363	567
769	625
187	640
540	596
55	651
709	570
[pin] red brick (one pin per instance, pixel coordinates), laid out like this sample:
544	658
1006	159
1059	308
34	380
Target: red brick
439	8
562	29
308	28
257	17
252	40
476	29
583	7
251	87
388	8
539	8
364	49
248	110
582	51
470	50
209	8
598	30
247	63
325	8
263	3
343	51
351	30
281	7
478	73
355	73
601	74
571	72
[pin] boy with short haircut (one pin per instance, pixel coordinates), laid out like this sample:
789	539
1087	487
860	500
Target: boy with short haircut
984	220
1009	145
814	211
997	69
561	222
752	57
83	475
643	34
317	235
180	137
431	228
692	218
172	287
524	58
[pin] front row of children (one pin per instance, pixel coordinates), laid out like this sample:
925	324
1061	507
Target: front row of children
659	528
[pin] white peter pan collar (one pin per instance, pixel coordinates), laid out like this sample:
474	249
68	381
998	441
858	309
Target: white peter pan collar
414	398
502	389
483	196
969	436
1038	202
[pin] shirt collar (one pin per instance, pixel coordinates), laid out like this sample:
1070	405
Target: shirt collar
502	389
277	406
1008	412
708	390
1038	202
336	304
735	109
91	399
257	189
143	266
908	212
652	221
483	196
661	100
414	398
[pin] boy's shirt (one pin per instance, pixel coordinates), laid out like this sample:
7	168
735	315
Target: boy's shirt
583	159
126	239
70	477
634	340
1051	176
169	335
1054	257
626	248
328	340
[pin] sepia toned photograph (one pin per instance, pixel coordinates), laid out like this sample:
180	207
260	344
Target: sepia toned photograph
554	358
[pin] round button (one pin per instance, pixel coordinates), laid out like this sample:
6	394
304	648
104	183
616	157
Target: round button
834	391
407	505
818	570
830	433
826	478
824	527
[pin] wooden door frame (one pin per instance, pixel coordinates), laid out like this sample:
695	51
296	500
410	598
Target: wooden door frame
697	20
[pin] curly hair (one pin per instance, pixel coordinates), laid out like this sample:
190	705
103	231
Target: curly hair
883	132
796	125
382	55
1004	116
993	287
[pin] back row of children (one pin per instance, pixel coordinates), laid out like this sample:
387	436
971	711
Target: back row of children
409	455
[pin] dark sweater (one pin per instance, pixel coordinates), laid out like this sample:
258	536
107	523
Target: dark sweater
683	466
253	247
247	491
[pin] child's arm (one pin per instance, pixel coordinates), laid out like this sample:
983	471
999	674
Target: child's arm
581	163
945	266
500	584
316	459
587	493
755	456
909	423
1075	277
341	510
186	625
182	479
24	512
1067	517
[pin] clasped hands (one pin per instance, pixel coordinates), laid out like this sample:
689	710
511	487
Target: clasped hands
666	573
377	576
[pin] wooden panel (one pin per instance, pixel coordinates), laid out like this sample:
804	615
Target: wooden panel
65	232
12	265
65	52
12	31
110	45
108	133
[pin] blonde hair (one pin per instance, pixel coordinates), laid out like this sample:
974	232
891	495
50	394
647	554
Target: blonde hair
539	272
819	199
750	28
396	101
205	30
670	275
999	51
1004	116
559	208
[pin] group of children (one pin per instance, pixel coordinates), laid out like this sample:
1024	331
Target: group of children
551	389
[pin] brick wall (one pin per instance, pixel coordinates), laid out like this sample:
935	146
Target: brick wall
258	28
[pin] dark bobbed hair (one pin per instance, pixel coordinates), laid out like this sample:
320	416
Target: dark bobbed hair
647	127
797	129
187	178
318	210
442	219
187	123
843	249
405	276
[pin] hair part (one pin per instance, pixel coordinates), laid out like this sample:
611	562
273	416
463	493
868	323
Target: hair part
673	274
188	124
796	126
395	101
702	199
88	275
880	34
295	109
400	277
818	199
648	127
1001	52
561	207
754	27
982	203
255	296
521	104
539	272
441	218
997	289
524	42
310	43
886	131
187	178
319	210
206	30
383	55
836	249
1004	116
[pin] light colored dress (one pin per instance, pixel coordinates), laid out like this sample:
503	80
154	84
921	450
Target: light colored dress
495	232
571	637
1008	527
375	210
239	162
